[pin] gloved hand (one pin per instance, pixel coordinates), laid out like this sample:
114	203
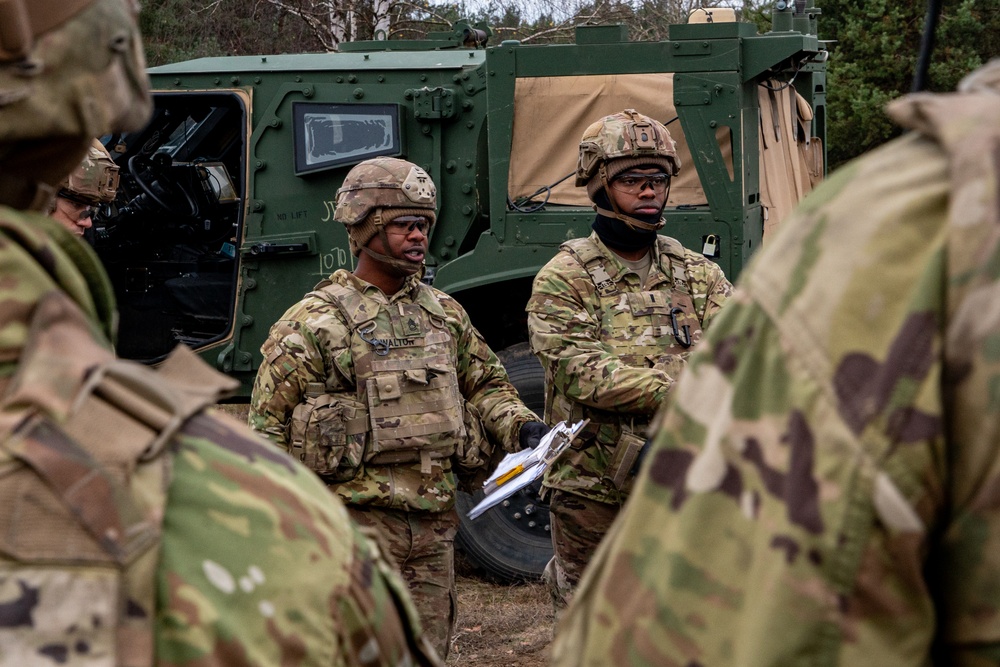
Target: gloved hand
531	434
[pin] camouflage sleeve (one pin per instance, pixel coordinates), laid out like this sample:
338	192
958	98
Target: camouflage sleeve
967	562
484	381
309	344
260	561
564	333
965	566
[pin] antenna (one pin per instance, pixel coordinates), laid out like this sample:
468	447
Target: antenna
926	46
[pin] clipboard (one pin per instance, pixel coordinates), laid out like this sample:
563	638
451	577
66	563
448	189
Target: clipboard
520	469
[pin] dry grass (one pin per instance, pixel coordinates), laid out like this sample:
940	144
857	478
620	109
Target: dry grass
500	626
239	411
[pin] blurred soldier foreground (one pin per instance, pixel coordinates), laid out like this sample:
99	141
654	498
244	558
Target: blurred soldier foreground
824	487
612	318
137	528
381	384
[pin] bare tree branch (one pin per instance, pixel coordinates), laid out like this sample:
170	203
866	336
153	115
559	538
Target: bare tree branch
209	8
332	22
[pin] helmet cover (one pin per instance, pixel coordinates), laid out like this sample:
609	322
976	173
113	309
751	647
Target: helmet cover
95	181
384	182
631	139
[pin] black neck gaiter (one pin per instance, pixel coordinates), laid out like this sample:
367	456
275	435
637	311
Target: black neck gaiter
616	234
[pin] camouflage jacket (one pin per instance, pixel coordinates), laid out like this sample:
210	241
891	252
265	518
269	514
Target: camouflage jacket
823	487
231	553
611	350
312	343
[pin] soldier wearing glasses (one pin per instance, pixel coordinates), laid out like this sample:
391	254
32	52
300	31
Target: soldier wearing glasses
612	318
92	183
383	387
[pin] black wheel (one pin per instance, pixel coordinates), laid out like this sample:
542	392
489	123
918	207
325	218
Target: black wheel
511	542
526	374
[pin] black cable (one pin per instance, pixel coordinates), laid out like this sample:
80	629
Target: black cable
795	72
784	85
547	189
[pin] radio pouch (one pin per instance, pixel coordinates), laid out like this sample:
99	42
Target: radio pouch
623	458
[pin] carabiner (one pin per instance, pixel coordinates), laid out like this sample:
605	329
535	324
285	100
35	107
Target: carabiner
684	342
381	347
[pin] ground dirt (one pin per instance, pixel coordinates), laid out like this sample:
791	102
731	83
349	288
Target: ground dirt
500	625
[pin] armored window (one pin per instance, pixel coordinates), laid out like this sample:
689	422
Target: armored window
332	135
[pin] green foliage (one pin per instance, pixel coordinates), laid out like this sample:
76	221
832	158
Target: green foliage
874	57
875	45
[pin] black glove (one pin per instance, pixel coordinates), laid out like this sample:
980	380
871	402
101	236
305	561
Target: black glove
531	434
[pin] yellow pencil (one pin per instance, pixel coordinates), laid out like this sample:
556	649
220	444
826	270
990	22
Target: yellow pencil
509	475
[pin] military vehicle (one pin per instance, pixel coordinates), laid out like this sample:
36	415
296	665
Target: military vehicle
224	212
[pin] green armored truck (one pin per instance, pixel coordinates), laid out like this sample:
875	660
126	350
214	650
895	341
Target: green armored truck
224	212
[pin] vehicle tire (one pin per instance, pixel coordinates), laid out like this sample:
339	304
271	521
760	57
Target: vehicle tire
510	542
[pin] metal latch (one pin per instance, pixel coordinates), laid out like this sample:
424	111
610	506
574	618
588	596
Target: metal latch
265	248
433	103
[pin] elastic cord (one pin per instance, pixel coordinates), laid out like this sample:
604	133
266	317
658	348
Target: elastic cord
399	263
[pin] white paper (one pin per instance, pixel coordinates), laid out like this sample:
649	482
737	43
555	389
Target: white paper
534	461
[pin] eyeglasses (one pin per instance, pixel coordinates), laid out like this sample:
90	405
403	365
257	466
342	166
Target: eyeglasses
78	211
407	223
633	184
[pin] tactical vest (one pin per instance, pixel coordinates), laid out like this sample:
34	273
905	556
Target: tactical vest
405	375
83	483
645	329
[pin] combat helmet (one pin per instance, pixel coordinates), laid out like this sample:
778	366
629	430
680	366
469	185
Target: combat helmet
378	191
619	142
95	181
58	96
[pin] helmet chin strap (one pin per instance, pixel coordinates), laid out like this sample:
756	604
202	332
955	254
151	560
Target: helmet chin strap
634	223
406	265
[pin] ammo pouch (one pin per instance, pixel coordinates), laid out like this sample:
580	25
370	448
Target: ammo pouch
416	411
623	458
327	433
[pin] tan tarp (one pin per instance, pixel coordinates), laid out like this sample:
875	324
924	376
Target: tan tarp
791	161
712	15
551	113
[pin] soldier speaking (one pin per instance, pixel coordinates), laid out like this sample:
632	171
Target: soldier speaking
383	387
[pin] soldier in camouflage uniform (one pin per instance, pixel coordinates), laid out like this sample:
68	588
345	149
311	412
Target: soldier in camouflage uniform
381	385
92	183
137	528
612	318
823	487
